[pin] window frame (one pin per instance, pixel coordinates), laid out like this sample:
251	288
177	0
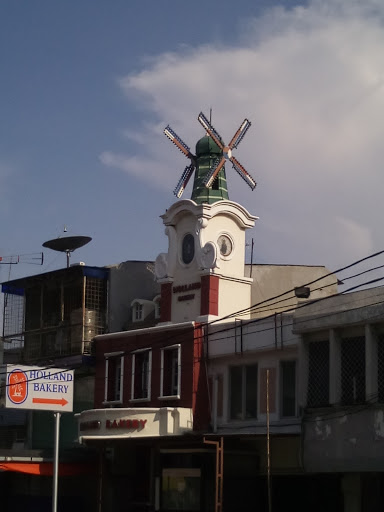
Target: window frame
137	311
178	394
282	363
149	375
118	379
243	368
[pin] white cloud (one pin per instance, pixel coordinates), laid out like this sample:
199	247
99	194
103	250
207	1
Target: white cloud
311	80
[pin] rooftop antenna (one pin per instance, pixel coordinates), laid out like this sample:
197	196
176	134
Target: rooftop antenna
67	244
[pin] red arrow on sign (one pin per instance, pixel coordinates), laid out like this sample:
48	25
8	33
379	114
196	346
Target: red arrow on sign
51	401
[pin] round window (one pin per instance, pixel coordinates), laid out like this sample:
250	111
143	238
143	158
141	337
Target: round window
225	245
188	248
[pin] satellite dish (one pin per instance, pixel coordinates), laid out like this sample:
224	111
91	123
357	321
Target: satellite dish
67	244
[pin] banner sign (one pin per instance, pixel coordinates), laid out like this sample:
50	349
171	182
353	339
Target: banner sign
34	387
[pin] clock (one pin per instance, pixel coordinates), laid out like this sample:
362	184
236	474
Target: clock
188	248
225	245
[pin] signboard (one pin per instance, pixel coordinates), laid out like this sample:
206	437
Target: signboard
34	387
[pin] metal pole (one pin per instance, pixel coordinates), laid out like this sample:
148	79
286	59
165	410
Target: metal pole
57	415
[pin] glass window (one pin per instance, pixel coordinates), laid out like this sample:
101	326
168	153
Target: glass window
181	489
170	371
318	373
243	392
288	388
114	368
137	312
141	374
353	370
188	248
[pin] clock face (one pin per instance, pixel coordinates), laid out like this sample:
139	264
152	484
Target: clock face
225	245
188	248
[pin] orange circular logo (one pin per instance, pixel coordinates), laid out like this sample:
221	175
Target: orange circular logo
17	387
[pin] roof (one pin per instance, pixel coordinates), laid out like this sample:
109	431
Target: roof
17	286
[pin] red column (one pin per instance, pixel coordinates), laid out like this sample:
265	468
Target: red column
166	302
209	295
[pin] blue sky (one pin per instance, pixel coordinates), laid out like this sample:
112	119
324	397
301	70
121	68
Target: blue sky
87	87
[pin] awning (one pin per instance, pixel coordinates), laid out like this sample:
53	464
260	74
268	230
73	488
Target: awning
46	468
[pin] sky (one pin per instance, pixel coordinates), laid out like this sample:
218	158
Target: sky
86	89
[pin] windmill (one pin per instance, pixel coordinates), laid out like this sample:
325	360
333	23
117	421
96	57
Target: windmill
227	152
188	171
218	164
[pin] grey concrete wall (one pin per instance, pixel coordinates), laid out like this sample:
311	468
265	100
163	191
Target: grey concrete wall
273	280
345	441
128	281
340	311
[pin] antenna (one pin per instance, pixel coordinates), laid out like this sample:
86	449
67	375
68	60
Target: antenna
67	244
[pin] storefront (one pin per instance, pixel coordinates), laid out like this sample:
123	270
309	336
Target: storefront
149	459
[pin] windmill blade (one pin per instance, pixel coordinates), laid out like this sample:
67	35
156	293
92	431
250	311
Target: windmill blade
210	130
185	177
239	135
210	178
243	173
179	143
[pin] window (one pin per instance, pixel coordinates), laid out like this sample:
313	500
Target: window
114	374
181	489
318	373
188	249
141	375
170	371
288	388
243	392
353	370
137	312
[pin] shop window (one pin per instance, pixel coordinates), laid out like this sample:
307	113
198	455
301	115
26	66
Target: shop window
181	489
170	374
318	373
114	377
243	392
288	388
353	370
141	375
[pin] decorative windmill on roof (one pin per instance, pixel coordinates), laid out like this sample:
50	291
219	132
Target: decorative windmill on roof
210	183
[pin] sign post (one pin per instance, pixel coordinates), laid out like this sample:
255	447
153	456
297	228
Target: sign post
48	389
56	461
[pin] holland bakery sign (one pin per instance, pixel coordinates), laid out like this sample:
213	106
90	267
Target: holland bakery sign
33	387
186	288
124	424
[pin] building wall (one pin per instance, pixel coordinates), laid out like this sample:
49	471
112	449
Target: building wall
272	280
342	382
193	389
128	280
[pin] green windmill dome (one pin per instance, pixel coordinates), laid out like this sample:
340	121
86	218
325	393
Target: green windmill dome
210	184
207	154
